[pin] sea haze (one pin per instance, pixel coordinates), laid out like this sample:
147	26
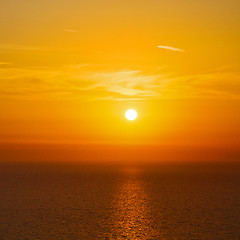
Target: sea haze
70	200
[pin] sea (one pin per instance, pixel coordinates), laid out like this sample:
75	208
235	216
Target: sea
72	201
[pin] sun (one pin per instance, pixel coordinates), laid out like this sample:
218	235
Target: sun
131	114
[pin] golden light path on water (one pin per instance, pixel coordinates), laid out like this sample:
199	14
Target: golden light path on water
132	218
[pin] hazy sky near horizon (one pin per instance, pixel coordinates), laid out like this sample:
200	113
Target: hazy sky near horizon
70	69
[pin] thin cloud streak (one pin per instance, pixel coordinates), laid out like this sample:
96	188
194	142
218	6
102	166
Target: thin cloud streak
5	63
71	30
171	48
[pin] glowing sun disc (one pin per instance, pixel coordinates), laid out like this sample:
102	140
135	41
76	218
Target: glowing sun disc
131	114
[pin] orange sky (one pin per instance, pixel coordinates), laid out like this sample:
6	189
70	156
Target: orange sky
70	69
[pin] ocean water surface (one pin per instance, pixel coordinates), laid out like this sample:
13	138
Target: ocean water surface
69	201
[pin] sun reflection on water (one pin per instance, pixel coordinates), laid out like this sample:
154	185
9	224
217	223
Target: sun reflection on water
131	218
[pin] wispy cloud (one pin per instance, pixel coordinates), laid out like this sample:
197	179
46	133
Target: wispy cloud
171	48
71	30
125	82
82	82
5	64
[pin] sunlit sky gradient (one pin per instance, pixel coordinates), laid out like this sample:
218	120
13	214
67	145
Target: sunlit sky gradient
70	69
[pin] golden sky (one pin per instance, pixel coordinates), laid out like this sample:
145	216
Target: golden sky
70	69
